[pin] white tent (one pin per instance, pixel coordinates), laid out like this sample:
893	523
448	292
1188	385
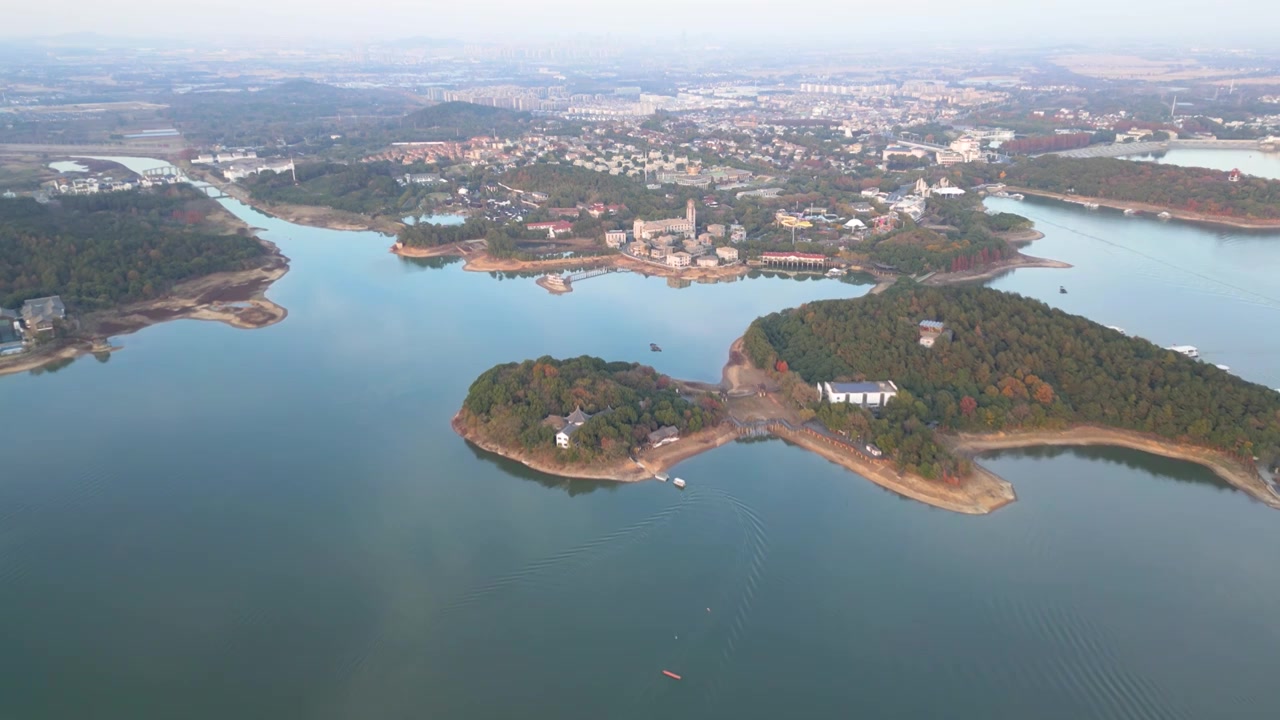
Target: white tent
855	224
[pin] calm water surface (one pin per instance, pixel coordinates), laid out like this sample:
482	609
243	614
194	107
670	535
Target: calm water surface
1250	162
221	523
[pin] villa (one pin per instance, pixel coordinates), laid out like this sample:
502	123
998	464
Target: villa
568	426
39	315
664	435
875	394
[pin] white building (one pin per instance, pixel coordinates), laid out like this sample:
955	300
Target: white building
615	238
679	259
869	394
727	254
576	419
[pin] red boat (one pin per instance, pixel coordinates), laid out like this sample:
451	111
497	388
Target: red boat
671	675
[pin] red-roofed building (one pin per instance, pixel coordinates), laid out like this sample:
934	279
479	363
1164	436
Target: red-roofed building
599	209
1233	176
553	228
794	258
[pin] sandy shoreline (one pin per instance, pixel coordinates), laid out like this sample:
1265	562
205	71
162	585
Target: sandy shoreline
990	271
650	463
1223	220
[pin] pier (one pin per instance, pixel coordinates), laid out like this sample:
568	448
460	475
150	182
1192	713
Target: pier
564	283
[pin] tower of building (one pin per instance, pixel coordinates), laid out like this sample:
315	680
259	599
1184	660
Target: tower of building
691	214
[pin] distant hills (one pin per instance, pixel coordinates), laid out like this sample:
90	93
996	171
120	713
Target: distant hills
462	120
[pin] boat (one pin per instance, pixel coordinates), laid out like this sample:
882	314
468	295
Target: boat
1018	196
661	477
653	347
1062	290
1222	367
678	482
1164	216
1130	211
835	272
1091	206
671	675
1118	329
1190	351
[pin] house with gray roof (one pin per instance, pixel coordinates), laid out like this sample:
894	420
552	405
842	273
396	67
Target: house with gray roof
39	314
664	435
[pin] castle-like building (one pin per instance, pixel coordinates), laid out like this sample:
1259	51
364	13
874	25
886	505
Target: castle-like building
686	226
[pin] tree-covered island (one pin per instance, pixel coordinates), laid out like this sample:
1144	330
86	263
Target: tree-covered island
581	416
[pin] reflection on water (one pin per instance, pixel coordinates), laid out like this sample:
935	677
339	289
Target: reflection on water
573	487
279	523
1141	462
430	263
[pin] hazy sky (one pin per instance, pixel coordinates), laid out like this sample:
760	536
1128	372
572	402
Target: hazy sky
851	22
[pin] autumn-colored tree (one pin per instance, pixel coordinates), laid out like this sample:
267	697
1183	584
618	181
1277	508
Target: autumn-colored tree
968	405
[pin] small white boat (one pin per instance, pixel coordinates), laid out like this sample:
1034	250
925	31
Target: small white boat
1118	329
1190	351
1018	196
1091	206
1223	367
1164	216
835	272
662	477
678	483
1130	211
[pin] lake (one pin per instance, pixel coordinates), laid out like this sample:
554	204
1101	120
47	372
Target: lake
222	523
1250	162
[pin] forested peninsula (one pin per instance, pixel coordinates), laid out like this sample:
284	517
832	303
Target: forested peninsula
1197	193
1006	364
121	261
998	370
98	251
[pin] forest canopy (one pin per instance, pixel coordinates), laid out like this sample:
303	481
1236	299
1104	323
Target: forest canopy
509	404
1013	363
102	250
1198	190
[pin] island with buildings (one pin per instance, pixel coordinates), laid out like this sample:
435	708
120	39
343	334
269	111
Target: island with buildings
904	388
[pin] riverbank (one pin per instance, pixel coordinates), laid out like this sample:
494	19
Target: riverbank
237	298
1231	471
309	215
1220	220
